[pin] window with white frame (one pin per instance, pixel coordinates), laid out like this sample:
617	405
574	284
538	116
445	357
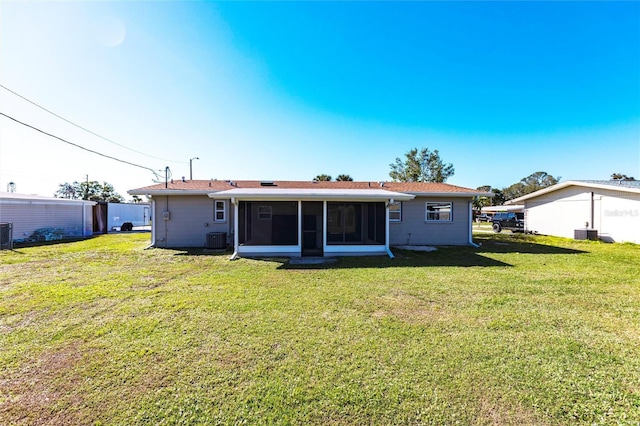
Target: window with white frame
439	211
219	211
395	212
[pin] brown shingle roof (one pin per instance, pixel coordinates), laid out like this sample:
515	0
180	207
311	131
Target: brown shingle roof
221	185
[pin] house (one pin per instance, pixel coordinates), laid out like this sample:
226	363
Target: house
35	218
608	209
297	218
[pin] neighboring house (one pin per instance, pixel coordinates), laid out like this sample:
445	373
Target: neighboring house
611	208
289	218
37	218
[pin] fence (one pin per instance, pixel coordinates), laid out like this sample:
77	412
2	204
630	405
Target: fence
6	236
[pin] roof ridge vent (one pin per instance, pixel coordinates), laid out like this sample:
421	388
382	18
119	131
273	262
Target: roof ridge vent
267	183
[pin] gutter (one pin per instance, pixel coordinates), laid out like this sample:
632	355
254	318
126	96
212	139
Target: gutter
471	243
391	256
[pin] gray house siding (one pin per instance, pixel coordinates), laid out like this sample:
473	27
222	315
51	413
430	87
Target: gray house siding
190	219
415	230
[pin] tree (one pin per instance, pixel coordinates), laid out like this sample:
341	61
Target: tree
344	178
92	191
498	197
322	178
532	183
136	199
480	202
619	176
421	166
66	190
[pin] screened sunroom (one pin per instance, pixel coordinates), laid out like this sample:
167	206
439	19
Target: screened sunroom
310	222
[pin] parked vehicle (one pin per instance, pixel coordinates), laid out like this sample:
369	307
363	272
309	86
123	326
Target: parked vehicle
508	220
483	217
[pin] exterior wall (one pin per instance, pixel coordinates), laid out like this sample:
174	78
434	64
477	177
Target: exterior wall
28	216
88	220
415	230
191	218
616	214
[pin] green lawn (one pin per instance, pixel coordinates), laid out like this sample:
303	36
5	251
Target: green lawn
523	330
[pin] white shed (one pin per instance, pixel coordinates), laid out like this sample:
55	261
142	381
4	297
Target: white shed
37	218
611	208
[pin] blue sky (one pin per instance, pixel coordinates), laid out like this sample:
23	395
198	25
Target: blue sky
289	90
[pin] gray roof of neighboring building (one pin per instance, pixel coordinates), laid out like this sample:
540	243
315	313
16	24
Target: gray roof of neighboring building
615	183
620	185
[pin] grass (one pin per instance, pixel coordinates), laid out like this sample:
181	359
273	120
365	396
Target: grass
523	330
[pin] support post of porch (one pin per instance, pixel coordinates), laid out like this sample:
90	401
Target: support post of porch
236	240
324	226
386	229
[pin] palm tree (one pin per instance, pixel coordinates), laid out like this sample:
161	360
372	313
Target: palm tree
322	178
344	178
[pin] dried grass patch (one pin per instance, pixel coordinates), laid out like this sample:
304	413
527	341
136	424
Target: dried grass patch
46	390
411	308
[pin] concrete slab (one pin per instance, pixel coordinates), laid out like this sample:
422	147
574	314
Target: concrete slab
312	260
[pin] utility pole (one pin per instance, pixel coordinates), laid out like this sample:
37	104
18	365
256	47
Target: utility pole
191	167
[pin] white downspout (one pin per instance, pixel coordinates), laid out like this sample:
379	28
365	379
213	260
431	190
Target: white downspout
471	243
300	226
386	229
234	256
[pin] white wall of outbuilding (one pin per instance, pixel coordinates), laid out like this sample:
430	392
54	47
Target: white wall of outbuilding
614	214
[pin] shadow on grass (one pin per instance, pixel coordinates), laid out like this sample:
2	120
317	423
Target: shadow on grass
190	251
517	243
461	256
67	240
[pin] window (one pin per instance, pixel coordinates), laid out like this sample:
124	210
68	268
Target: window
395	212
219	211
438	212
264	212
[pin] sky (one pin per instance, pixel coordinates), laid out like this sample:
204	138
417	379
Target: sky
290	90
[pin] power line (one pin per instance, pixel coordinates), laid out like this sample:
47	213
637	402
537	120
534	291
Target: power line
87	130
157	176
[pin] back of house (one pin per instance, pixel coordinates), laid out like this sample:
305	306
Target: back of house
300	218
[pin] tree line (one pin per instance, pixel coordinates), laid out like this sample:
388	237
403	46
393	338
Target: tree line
89	190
